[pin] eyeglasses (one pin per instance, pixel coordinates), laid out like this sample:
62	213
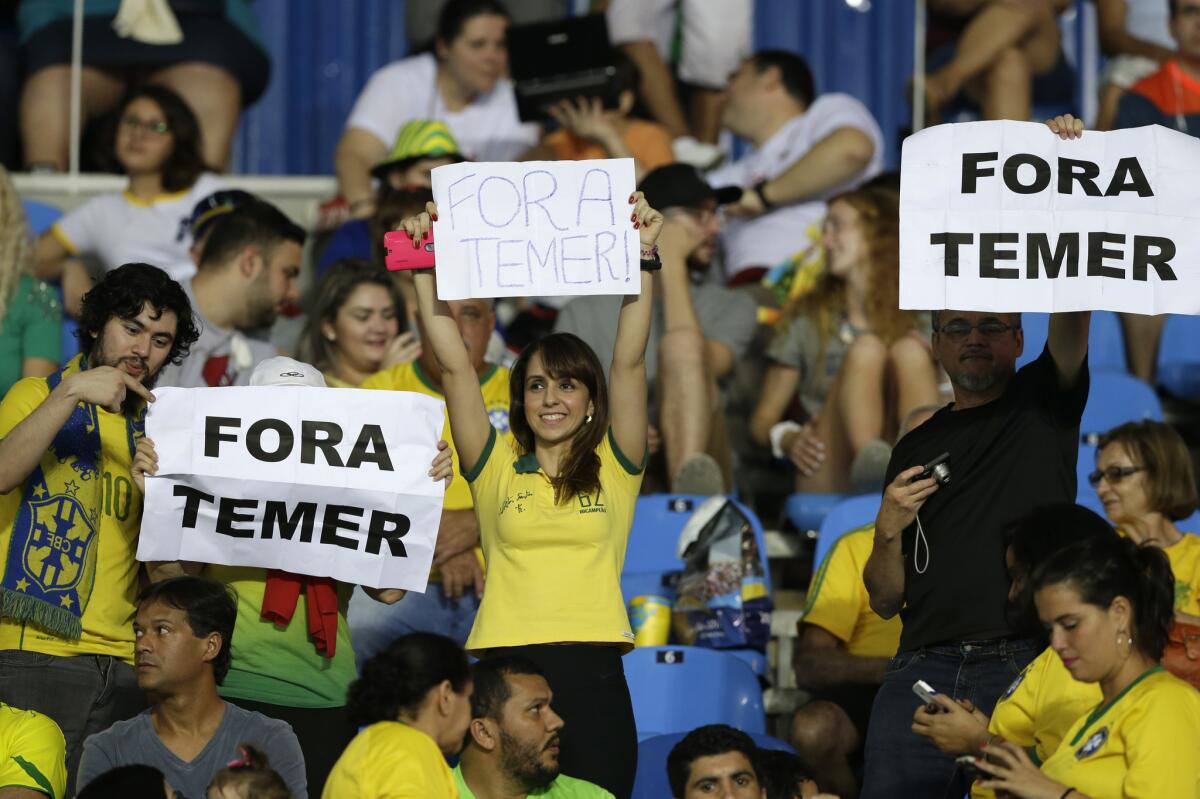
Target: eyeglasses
959	329
132	123
1113	474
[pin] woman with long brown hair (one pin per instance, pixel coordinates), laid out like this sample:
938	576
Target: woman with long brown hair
855	362
555	511
30	313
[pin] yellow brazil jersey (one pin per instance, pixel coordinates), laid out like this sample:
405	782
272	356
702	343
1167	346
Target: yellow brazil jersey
33	752
1039	707
553	570
1185	564
96	562
390	760
493	385
1141	745
838	601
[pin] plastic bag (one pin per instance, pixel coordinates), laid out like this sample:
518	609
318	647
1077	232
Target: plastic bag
722	600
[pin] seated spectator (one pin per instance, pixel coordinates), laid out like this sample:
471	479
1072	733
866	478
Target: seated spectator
183	627
421	17
698	332
206	213
858	365
250	776
247	273
292	658
841	656
413	703
1145	479
215	61
461	83
715	760
353	329
1136	38
588	130
66	448
1108	606
513	742
451	599
993	51
711	39
33	755
1169	97
30	312
804	149
1045	700
421	146
129	782
157	145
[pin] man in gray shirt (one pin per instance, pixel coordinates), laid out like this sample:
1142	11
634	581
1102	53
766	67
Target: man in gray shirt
247	272
183	628
699	331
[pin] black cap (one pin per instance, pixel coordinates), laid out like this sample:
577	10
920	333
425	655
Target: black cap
678	186
215	205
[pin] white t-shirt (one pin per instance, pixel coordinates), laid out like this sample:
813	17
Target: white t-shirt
487	130
768	239
1149	21
120	228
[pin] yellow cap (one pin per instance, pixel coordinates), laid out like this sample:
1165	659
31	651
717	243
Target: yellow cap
421	138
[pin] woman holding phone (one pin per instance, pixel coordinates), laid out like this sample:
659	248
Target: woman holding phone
555	510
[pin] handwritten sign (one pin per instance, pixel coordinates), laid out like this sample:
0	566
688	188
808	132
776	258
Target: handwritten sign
1005	216
536	228
329	482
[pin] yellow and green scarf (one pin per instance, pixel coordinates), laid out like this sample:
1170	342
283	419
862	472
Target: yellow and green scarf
51	568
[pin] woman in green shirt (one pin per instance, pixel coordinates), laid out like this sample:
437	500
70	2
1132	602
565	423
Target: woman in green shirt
30	313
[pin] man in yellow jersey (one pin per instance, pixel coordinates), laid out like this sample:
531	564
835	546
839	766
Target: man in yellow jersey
451	600
32	755
513	742
840	659
69	511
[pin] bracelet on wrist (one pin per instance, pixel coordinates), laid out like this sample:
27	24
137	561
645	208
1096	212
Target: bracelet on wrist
651	264
649	253
759	190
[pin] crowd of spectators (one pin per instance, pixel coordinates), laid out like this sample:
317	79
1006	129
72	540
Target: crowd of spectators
767	340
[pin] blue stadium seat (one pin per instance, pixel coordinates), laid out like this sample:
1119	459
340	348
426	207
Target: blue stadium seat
1106	342
1179	357
679	688
847	515
807	511
651	780
1114	399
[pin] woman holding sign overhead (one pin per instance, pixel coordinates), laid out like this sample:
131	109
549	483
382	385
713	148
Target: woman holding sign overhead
555	510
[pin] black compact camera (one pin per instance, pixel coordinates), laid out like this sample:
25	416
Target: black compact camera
938	469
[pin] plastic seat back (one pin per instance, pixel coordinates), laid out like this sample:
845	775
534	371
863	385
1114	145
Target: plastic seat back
847	515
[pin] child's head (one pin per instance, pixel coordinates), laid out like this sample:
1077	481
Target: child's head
248	777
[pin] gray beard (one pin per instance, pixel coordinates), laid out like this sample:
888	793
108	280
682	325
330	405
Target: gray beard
976	383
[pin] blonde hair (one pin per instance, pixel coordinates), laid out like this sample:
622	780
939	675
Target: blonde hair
16	249
879	215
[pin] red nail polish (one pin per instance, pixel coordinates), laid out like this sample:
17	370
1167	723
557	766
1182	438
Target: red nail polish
434	217
637	224
631	198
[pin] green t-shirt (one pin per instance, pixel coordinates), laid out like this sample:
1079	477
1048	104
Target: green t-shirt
563	787
281	666
31	328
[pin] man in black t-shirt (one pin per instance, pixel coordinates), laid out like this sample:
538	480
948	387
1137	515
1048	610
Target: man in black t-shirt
1013	440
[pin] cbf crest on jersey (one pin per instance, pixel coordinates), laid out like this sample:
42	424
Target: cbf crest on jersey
1093	744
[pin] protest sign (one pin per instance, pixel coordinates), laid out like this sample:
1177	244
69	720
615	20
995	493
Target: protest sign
319	481
535	228
1005	216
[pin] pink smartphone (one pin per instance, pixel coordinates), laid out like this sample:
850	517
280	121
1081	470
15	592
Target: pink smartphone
402	255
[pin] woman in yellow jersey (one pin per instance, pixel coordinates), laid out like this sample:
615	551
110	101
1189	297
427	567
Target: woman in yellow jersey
1045	700
1145	479
555	510
157	146
353	328
413	703
1108	605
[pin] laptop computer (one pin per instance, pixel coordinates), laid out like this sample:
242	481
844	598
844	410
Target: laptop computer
555	61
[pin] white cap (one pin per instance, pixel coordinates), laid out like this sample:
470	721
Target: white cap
283	371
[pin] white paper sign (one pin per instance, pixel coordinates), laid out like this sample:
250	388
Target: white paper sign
331	482
1005	216
535	228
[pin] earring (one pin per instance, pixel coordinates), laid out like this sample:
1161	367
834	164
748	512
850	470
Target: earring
1124	639
332	337
588	420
